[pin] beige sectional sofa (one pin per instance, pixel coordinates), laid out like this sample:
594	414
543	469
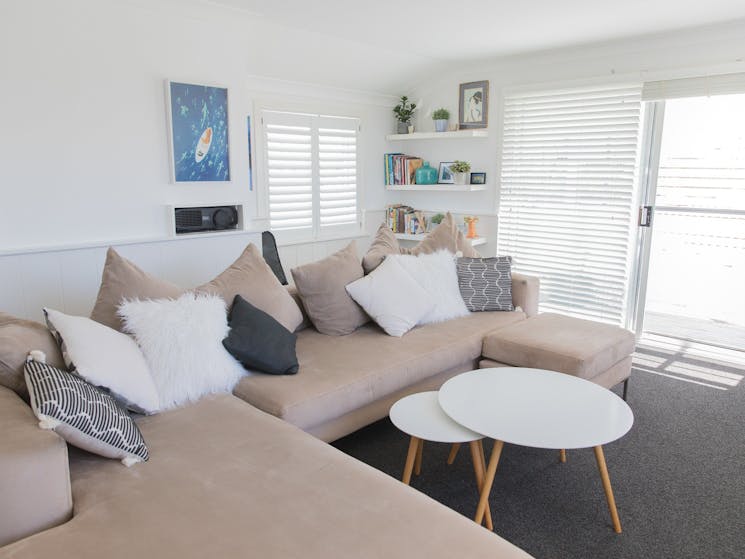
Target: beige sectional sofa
227	479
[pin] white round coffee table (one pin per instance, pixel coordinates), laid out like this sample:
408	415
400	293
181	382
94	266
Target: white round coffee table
421	417
537	408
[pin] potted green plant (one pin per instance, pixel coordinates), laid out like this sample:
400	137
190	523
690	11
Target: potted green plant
435	220
441	117
404	111
460	171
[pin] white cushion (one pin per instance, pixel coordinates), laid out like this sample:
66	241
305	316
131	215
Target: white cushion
391	297
182	342
437	275
105	358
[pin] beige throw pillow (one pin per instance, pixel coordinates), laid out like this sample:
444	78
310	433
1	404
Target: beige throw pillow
384	244
252	278
446	236
322	287
120	280
17	338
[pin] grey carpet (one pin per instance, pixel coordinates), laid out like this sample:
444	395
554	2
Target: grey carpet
678	476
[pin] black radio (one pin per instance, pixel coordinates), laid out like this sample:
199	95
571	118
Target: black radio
212	218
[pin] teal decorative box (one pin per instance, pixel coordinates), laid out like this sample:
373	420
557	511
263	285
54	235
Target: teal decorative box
426	174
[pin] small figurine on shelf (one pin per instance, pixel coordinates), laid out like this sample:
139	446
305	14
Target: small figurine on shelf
471	221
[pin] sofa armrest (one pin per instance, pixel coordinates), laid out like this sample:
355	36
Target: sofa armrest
34	472
525	292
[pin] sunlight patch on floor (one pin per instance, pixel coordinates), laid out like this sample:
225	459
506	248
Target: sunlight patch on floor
687	361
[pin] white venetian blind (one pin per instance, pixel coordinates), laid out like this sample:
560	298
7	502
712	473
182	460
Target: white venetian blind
312	173
567	195
702	86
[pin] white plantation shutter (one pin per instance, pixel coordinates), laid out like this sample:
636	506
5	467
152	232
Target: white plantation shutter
289	168
312	173
337	161
567	202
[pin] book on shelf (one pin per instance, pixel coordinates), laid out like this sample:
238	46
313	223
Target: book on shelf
401	218
400	169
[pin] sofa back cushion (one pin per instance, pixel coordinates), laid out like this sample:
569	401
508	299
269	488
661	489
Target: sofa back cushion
322	288
446	236
249	276
384	243
252	278
121	280
17	338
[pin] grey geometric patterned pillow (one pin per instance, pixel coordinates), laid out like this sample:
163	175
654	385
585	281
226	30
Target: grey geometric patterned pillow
82	414
486	283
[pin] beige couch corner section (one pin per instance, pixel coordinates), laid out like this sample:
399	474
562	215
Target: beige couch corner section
583	348
34	475
227	480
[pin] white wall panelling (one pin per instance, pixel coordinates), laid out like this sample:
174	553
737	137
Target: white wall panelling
68	279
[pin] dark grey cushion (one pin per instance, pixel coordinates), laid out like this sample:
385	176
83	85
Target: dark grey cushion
486	283
258	341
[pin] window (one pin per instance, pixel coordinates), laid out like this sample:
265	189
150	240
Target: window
311	174
567	203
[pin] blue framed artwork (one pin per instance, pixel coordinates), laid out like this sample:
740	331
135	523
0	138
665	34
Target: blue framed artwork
198	117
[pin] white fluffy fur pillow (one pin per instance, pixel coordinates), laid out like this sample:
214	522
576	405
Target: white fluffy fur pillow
437	275
182	343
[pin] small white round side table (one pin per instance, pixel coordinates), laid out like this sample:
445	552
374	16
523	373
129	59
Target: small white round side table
421	417
540	409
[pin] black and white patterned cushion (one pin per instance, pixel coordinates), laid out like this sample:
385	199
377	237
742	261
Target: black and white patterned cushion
486	283
82	414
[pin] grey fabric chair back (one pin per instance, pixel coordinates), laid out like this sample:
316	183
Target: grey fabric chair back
269	250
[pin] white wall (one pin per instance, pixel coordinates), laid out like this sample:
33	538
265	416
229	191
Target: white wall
716	49
83	153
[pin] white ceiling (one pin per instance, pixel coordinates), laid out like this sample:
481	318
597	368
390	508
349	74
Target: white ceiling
473	29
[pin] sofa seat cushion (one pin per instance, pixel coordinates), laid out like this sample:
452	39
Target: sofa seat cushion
227	480
339	374
583	348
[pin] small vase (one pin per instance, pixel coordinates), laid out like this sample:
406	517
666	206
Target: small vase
425	174
460	178
403	128
410	128
441	125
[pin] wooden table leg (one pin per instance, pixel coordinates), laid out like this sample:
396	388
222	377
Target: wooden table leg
478	468
562	456
600	457
410	457
418	461
453	452
491	470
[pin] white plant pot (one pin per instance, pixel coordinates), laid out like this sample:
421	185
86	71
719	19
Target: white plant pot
460	178
441	125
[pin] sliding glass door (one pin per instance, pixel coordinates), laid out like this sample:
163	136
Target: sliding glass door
691	284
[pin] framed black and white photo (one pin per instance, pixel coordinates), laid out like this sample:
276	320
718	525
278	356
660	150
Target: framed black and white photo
478	178
445	176
473	105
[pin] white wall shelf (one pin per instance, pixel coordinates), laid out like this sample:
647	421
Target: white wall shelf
437	187
409	237
458	134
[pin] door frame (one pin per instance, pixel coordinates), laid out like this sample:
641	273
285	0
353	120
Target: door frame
649	166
